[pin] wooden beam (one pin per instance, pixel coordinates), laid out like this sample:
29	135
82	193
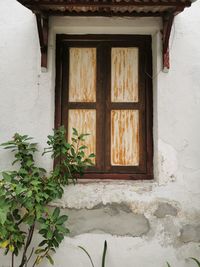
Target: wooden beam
102	13
167	26
105	4
43	29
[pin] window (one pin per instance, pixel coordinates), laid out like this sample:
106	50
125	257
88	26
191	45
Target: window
103	87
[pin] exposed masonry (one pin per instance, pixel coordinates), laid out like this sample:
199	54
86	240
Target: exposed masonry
190	233
123	219
164	209
115	219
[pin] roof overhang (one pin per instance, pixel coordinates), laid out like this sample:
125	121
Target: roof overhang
166	9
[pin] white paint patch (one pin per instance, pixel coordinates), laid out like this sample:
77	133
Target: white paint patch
167	162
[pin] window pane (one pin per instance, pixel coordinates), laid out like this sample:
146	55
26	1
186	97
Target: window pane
84	120
125	137
82	74
124	80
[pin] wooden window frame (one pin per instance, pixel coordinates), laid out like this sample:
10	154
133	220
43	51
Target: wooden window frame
103	43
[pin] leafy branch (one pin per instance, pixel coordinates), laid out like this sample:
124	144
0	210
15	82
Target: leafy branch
26	192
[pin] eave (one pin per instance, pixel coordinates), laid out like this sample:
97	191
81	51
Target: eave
166	9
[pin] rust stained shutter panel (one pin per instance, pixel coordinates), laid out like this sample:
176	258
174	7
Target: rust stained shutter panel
84	120
124	71
82	75
124	137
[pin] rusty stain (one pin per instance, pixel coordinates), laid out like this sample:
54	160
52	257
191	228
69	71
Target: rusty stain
84	120
125	137
124	81
82	75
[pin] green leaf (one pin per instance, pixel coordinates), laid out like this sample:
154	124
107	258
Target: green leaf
104	253
4	209
62	219
73	152
30	219
29	193
38	260
62	229
197	261
41	244
75	132
168	265
35	182
49	234
50	259
42	220
19	189
55	243
82	147
4	244
56	213
59	237
6	176
29	163
11	248
39	250
43	232
87	255
92	155
81	137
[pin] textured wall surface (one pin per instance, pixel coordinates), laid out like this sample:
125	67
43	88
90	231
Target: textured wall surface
145	223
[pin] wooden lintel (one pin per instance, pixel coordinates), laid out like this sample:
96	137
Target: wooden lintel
43	25
167	26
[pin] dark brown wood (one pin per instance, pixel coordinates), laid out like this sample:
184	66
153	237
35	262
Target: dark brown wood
103	13
105	8
149	110
58	86
105	4
42	25
103	104
116	176
167	26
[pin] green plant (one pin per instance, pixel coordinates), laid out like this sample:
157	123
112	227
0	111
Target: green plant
195	260
103	255
26	192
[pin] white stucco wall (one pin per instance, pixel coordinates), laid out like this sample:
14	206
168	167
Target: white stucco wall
27	106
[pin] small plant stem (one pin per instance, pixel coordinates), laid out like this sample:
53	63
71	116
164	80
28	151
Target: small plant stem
42	256
28	241
30	255
13	259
